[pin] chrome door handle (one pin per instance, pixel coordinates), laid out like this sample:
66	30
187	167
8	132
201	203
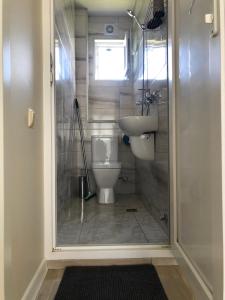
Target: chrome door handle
213	19
215	29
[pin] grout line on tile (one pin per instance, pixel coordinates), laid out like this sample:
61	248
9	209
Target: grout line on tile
140	228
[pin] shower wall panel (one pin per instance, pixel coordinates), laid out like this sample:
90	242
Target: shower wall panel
153	176
64	58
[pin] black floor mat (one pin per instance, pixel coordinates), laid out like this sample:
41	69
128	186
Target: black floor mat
139	282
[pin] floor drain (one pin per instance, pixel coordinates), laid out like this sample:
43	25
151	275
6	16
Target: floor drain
132	210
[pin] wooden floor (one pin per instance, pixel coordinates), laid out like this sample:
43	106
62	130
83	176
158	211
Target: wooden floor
170	276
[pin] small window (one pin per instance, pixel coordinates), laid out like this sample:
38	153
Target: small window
156	58
110	59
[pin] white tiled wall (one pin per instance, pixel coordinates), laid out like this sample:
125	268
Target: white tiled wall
101	104
105	97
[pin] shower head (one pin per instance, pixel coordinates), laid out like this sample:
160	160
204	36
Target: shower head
132	15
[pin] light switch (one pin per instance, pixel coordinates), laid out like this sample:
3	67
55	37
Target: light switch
30	118
209	18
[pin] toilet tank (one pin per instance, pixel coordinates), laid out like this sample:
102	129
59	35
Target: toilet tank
104	148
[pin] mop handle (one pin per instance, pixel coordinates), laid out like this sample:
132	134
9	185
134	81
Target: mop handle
82	141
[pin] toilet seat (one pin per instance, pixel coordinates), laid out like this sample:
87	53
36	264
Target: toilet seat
106	165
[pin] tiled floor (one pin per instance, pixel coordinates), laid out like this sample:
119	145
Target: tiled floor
109	224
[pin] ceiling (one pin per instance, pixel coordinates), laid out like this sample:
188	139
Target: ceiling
106	7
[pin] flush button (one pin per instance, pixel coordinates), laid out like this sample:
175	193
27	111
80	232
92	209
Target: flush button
30	117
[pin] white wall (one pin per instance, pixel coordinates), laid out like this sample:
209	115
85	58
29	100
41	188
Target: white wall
198	147
22	59
222	28
1	171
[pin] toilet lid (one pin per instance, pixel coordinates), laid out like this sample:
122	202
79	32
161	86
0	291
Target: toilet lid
108	165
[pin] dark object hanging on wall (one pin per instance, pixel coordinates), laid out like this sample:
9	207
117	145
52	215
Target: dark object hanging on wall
158	14
158	6
154	23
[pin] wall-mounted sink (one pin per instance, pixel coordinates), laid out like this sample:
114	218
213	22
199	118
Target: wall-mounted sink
141	131
137	125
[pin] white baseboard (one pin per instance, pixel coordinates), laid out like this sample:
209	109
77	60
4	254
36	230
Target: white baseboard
34	286
191	276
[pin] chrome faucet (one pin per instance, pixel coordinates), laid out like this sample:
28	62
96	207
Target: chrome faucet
149	98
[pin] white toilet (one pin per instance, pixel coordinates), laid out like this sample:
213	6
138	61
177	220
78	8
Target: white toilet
105	165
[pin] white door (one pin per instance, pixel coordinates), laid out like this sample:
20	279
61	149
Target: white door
198	115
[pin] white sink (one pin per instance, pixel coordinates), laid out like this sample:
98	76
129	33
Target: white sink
137	125
141	132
